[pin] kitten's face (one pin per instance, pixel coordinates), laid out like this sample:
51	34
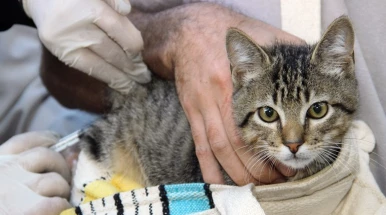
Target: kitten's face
295	103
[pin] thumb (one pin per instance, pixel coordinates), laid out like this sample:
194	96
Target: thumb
50	206
121	6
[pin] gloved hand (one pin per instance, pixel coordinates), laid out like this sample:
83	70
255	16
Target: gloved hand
93	36
34	179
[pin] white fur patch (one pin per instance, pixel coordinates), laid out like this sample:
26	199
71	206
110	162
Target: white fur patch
304	156
339	45
87	170
335	71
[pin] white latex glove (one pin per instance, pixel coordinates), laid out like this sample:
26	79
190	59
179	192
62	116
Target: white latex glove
33	178
93	36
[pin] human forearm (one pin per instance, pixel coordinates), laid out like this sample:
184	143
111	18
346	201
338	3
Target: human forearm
162	31
72	88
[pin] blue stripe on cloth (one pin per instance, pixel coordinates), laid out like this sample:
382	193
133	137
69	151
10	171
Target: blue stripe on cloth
187	198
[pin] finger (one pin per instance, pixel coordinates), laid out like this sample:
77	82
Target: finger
267	34
50	206
124	33
140	69
50	185
260	168
222	149
109	50
121	6
281	35
17	198
133	66
87	61
71	155
121	30
26	141
41	160
257	168
209	166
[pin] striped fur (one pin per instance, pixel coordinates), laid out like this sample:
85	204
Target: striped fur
149	136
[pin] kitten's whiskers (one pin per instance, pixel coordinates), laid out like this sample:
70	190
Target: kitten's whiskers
248	170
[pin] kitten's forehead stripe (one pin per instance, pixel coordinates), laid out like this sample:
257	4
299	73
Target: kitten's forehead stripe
275	97
275	80
290	72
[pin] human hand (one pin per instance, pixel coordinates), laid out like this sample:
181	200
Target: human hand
92	36
195	52
34	179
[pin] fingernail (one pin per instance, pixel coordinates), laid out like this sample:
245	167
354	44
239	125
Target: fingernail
123	7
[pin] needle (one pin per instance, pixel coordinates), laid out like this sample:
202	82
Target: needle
68	141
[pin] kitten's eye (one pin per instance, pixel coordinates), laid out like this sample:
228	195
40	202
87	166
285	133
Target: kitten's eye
318	110
268	114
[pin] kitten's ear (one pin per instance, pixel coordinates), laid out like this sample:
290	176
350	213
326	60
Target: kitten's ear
247	59
336	48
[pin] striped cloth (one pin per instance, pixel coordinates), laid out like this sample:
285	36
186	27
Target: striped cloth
95	190
162	199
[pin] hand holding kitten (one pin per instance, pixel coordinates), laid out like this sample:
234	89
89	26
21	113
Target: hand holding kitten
191	47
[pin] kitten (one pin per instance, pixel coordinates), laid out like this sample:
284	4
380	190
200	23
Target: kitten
292	104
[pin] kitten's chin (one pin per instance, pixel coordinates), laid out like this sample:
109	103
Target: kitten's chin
296	163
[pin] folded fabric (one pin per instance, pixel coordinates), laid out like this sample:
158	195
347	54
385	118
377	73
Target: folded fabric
346	187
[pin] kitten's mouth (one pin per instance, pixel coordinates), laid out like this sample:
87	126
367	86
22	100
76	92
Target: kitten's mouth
296	162
294	157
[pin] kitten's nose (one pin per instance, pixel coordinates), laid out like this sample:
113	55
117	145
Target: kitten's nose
294	146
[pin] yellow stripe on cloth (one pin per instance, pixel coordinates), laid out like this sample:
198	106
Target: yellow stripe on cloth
102	188
70	211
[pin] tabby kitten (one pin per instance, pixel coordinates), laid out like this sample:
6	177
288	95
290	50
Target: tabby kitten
292	104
